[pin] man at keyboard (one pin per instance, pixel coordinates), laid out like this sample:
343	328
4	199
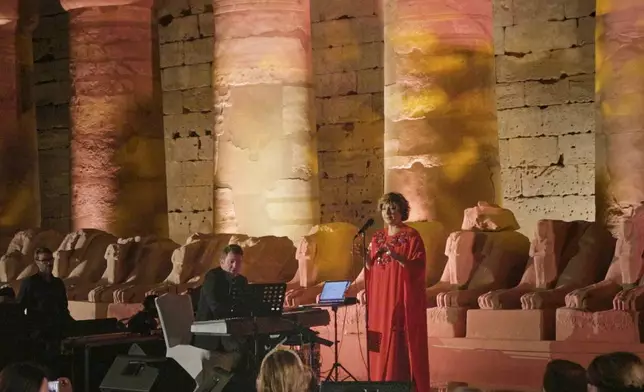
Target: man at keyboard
216	302
215	299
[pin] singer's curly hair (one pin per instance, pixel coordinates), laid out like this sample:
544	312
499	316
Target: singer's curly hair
396	199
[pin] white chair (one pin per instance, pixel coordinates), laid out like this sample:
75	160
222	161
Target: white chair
176	316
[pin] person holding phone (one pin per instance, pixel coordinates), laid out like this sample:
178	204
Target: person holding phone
29	377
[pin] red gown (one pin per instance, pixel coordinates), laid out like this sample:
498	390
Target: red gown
397	325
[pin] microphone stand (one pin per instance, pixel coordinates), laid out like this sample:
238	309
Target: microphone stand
365	258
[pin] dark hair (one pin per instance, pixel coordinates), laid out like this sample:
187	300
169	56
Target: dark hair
564	376
619	371
7	292
397	199
234	249
40	251
22	377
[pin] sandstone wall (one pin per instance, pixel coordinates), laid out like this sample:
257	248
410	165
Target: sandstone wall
186	49
545	97
52	94
349	83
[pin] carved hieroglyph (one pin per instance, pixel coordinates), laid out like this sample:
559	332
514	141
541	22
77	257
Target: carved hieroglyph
19	182
117	146
620	93
266	170
441	143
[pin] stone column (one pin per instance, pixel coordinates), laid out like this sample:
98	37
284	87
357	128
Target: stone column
441	143
19	182
266	172
619	63
117	148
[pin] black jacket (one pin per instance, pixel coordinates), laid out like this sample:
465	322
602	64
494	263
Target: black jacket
215	298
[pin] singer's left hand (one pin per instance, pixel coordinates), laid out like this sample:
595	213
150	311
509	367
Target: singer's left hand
396	256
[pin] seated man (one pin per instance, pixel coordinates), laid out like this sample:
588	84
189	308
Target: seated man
215	298
216	302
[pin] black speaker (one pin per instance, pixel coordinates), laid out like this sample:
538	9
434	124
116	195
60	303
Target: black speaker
364	386
146	374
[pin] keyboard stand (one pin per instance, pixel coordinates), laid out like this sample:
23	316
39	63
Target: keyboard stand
336	355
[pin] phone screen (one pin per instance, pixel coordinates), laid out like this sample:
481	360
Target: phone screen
52	386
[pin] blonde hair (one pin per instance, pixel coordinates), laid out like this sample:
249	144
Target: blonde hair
283	371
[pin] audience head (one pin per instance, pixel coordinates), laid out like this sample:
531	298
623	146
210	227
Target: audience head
394	208
23	377
44	259
231	261
614	372
564	376
283	371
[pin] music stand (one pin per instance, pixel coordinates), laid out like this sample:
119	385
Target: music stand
258	300
333	295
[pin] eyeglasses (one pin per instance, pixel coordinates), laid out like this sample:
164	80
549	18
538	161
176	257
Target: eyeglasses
45	260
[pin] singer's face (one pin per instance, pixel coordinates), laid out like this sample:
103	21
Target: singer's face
391	214
232	263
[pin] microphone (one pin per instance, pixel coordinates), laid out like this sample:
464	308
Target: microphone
365	227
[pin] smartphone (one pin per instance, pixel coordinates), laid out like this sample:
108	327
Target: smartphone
52	386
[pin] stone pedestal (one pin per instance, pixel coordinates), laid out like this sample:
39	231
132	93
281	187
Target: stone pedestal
266	171
612	326
441	143
117	147
19	182
519	324
620	93
446	322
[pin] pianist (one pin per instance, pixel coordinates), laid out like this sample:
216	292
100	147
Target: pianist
215	299
216	302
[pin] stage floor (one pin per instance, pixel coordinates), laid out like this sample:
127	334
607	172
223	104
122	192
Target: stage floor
507	365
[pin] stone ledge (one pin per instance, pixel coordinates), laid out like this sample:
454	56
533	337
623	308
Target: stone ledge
519	324
611	326
84	310
446	322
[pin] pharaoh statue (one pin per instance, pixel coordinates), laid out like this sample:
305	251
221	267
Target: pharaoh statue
191	261
325	254
621	288
80	257
486	254
146	263
104	263
18	261
564	256
266	260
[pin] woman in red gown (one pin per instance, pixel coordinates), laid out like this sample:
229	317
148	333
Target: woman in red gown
397	325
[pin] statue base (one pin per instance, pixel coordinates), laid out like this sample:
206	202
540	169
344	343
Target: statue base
511	324
85	310
446	322
123	311
611	326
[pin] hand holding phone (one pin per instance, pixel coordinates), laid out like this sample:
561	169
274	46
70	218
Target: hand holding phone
53	386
